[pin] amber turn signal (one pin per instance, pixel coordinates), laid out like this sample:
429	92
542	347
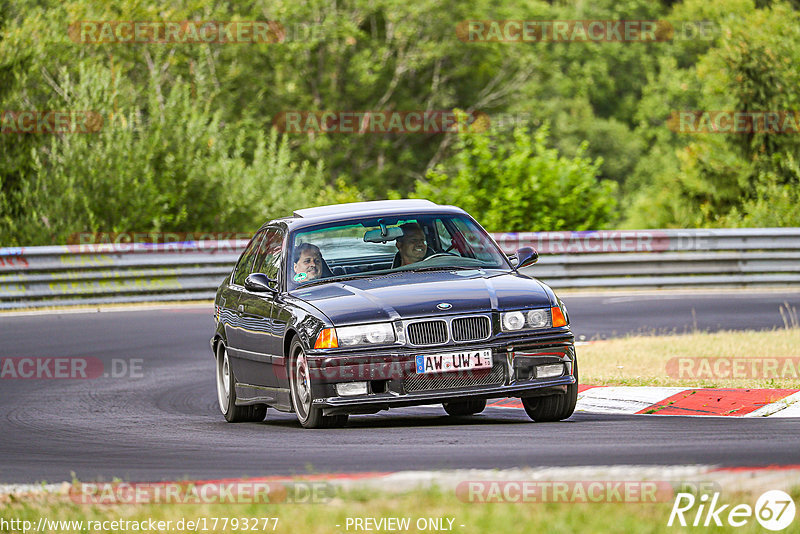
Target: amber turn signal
327	339
558	317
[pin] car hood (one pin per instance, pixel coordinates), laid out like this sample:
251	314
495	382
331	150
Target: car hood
410	294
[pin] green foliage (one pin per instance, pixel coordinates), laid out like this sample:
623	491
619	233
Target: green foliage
188	144
165	158
775	204
169	165
520	184
722	179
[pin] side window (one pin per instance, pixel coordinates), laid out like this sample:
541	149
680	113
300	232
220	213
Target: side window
269	254
473	241
246	260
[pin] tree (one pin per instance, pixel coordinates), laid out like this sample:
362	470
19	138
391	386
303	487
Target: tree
714	179
520	184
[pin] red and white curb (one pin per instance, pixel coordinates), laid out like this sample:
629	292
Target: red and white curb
682	401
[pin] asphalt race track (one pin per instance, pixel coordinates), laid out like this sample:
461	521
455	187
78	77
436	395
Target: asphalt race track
159	419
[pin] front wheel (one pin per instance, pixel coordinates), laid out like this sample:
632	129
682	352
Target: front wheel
310	416
226	393
553	407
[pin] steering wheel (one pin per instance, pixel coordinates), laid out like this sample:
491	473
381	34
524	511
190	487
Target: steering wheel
438	255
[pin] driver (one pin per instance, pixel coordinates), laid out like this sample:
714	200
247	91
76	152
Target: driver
307	263
411	244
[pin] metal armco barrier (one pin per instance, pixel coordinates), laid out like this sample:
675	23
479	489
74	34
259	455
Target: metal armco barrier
118	273
114	272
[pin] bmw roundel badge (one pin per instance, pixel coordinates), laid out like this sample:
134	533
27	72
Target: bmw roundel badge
444	305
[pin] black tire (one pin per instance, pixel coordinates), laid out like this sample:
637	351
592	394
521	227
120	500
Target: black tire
553	407
309	415
469	407
226	393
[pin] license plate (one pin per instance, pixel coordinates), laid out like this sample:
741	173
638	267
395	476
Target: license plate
454	361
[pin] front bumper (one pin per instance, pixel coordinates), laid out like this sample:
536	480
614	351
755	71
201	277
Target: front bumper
392	380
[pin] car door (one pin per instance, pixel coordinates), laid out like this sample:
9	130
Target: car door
236	329
258	328
280	318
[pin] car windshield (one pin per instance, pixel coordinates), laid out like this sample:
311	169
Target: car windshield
384	245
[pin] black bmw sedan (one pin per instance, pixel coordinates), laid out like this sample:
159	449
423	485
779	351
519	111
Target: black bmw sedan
357	308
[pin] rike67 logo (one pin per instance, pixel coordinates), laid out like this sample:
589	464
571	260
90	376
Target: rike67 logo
774	510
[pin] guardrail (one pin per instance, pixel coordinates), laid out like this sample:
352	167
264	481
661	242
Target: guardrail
118	273
738	257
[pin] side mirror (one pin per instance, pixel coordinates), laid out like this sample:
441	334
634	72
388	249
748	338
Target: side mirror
259	283
526	256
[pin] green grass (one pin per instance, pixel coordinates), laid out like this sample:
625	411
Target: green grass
656	360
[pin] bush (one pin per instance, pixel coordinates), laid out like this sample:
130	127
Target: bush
520	184
169	165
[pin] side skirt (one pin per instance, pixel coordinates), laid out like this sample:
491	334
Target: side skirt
278	398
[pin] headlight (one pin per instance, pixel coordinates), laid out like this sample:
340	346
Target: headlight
368	334
537	318
517	320
513	320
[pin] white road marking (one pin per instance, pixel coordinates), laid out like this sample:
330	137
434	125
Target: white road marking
623	399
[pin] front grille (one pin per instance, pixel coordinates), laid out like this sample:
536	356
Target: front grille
471	328
455	379
427	332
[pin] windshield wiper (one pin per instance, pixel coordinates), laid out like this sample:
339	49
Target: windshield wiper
353	276
445	268
372	274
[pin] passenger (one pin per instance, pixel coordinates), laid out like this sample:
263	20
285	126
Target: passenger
411	244
308	263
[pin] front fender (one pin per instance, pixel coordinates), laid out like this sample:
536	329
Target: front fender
306	323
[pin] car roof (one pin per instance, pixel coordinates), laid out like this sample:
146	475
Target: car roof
355	210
